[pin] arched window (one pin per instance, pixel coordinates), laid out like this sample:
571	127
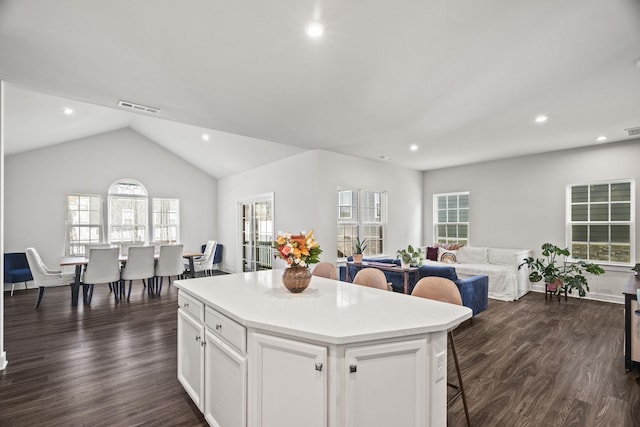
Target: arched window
128	212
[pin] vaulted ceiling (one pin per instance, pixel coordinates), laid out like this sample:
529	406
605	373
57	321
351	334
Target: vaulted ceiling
462	80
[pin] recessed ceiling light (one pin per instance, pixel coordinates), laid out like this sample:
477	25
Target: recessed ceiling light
601	138
67	111
205	137
413	147
385	157
315	30
541	118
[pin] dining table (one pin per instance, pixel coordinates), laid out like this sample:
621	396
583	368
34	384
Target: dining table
79	262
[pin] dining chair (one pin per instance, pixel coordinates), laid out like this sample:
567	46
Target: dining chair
205	262
44	277
373	278
445	290
169	264
325	269
16	269
139	266
103	267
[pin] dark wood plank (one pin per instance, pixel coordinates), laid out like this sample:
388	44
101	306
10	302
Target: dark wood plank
526	363
106	364
546	363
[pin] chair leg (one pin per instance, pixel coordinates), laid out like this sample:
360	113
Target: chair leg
40	294
25	286
116	290
464	396
129	294
160	286
13	285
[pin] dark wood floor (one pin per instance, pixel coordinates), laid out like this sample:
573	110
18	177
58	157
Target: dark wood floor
528	363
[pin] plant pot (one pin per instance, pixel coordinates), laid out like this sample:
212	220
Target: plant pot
553	287
405	265
296	279
357	258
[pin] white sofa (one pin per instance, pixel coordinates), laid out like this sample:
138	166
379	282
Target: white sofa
506	282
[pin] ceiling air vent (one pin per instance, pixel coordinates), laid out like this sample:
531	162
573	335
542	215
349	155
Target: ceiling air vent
138	107
633	131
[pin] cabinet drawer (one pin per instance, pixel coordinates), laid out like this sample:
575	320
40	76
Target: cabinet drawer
227	329
191	305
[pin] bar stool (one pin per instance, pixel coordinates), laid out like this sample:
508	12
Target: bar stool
441	289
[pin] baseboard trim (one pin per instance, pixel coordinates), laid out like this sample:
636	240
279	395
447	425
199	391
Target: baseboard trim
595	296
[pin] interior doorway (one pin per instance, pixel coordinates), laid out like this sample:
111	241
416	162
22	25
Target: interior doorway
256	238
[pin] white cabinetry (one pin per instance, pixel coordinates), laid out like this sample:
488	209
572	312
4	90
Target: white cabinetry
191	355
387	384
337	355
225	369
288	382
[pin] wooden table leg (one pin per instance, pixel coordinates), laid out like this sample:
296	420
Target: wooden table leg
192	268
75	287
406	281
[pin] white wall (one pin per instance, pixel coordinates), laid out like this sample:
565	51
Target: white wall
520	202
305	188
37	181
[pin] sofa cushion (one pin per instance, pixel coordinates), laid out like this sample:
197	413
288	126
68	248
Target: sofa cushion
470	255
502	256
439	271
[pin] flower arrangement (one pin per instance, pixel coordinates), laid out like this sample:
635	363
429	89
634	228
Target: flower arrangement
297	250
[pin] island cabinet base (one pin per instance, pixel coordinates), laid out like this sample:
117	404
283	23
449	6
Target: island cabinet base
245	365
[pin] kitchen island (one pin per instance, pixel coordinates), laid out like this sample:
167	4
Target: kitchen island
337	354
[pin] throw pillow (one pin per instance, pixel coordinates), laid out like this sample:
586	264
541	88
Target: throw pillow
432	253
446	256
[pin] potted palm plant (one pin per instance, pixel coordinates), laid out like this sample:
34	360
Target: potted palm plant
358	250
560	276
410	257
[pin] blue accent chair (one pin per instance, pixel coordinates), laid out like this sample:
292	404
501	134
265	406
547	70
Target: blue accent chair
16	269
473	290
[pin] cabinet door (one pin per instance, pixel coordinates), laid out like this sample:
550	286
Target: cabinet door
288	383
225	384
191	356
387	385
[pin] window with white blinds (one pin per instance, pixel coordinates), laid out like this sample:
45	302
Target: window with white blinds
451	217
84	222
166	220
361	214
600	222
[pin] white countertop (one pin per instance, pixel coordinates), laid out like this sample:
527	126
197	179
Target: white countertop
328	310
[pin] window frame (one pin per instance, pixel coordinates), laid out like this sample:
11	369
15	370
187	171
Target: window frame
631	223
155	225
458	223
70	225
358	223
114	194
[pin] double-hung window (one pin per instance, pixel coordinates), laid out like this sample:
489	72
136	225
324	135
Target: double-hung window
600	222
451	217
166	220
84	222
360	215
128	212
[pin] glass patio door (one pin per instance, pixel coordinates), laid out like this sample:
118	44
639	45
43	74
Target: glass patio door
257	233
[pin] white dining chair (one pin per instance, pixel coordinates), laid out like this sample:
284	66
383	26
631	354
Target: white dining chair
169	264
205	262
103	267
44	277
139	266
